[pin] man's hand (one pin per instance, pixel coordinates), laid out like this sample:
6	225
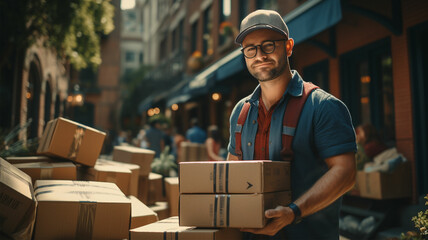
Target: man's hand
277	219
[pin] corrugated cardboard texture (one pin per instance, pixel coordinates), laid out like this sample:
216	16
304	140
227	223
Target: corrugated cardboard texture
67	139
135	174
141	215
172	194
229	210
191	152
17	205
378	185
49	170
141	157
234	177
169	229
81	210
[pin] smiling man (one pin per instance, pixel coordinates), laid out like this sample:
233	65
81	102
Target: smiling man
320	143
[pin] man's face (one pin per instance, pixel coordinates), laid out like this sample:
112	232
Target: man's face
265	67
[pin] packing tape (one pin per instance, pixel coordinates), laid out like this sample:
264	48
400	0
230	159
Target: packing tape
46	170
77	141
85	220
221	177
170	235
222	205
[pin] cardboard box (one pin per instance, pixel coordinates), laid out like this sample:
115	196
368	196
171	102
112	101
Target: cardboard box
151	189
81	210
234	177
161	209
101	172
141	214
135	174
17	202
229	210
172	194
33	159
48	170
71	140
135	155
191	152
380	185
169	229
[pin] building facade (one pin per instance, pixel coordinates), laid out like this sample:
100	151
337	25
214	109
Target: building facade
369	54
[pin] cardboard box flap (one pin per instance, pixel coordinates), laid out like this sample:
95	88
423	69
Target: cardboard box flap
7	167
139	208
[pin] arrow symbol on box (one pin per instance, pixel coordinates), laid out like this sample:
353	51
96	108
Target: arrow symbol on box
249	185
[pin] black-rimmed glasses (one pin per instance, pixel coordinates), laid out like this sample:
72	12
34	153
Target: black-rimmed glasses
267	47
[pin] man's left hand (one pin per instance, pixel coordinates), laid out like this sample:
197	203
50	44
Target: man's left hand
278	218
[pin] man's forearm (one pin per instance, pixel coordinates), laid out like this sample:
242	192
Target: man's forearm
336	181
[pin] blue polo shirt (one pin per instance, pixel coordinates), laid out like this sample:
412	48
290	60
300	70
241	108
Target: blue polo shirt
324	130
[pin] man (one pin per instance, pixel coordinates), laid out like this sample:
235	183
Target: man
323	164
195	133
154	137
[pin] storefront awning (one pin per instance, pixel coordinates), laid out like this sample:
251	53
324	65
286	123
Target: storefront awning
309	19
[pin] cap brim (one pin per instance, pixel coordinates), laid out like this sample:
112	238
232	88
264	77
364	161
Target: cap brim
240	38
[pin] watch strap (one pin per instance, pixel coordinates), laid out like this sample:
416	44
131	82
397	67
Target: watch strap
297	213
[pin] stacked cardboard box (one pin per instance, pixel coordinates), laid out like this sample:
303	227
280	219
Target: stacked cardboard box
169	229
49	170
191	152
232	193
17	202
135	173
67	139
81	210
101	172
139	156
172	194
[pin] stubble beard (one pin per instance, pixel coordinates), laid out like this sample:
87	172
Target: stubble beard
269	75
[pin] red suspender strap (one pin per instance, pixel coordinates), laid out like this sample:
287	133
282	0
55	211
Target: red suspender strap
238	130
291	118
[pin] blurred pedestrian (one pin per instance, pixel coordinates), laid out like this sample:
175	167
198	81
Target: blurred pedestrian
154	137
196	134
213	144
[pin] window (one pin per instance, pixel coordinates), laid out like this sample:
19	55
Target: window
207	39
267	4
367	87
193	40
243	9
141	57
129	56
224	16
318	74
163	49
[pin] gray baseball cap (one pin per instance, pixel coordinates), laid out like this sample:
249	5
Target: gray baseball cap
261	19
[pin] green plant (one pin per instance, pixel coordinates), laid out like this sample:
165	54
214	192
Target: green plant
9	146
421	223
165	163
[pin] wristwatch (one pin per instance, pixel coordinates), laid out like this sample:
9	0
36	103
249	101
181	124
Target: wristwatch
297	213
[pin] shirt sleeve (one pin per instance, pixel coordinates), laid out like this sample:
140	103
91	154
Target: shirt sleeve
233	121
334	133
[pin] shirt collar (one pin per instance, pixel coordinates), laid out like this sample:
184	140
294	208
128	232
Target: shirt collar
294	88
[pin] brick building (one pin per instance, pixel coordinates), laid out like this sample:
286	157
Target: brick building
369	54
